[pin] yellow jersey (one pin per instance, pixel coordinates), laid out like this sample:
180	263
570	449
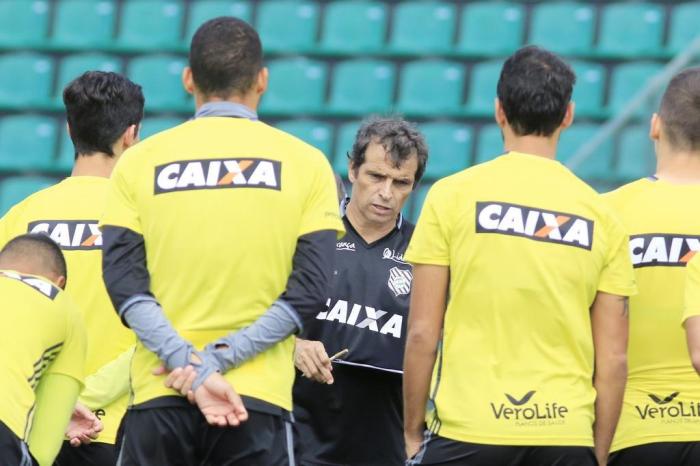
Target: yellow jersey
220	203
528	246
68	212
662	396
691	306
43	333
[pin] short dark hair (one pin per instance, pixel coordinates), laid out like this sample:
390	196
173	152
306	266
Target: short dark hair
39	248
399	138
100	106
534	90
680	110
225	57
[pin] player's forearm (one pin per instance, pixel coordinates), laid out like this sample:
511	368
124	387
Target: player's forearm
419	361
609	383
109	383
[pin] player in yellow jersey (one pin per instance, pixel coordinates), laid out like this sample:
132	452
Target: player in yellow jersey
220	224
691	313
104	111
660	422
42	351
537	272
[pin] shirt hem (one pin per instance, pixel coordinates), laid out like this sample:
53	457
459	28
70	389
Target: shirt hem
643	440
516	441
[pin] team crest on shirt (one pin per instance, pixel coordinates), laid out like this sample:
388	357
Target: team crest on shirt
658	249
186	175
400	281
70	234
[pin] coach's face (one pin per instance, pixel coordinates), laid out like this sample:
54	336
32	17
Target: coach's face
379	188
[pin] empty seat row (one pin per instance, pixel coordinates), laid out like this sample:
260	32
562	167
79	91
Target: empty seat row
349	26
353	87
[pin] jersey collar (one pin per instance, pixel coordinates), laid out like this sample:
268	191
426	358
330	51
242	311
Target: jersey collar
226	109
344	206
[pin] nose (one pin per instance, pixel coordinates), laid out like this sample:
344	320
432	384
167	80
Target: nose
385	189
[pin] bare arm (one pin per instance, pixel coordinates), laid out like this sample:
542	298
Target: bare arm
428	300
692	332
610	325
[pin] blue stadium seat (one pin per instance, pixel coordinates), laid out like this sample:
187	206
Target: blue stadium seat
317	133
491	28
362	86
204	10
417	200
161	79
631	30
27	142
627	80
66	152
73	66
153	125
23	23
297	85
489	143
16	189
431	87
288	26
482	88
684	26
635	154
34	87
450	147
599	165
84	24
423	27
589	89
343	145
150	25
563	27
354	27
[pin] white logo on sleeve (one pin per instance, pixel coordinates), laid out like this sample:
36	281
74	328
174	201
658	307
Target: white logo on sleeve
400	281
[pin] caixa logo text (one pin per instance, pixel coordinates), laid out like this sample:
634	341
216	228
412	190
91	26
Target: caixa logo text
534	223
520	409
660	249
188	175
70	234
668	407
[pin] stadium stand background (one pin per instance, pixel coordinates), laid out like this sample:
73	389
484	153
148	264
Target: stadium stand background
333	62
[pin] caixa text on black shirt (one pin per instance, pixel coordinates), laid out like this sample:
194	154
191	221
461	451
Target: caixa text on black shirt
368	306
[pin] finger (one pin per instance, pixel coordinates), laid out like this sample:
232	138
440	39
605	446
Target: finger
232	419
187	386
160	370
74	442
190	397
85	440
238	406
172	377
324	363
304	367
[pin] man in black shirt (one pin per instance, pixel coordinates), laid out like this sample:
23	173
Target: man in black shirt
349	411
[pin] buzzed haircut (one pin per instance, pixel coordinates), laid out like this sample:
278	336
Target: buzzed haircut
37	248
534	90
100	106
225	57
680	110
399	138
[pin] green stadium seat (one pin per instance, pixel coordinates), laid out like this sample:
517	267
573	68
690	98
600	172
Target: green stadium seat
84	24
431	87
204	10
635	154
23	23
66	152
489	143
153	125
25	79
317	133
632	30
16	189
627	80
343	145
297	85
423	27
73	66
287	26
150	25
354	27
683	28
417	199
450	146
160	77
27	142
589	89
491	28
482	88
597	166
362	86
563	27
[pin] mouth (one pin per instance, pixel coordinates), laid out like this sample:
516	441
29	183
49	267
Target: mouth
382	210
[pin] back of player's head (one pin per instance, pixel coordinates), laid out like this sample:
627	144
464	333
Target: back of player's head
36	254
680	110
400	140
225	57
100	106
534	90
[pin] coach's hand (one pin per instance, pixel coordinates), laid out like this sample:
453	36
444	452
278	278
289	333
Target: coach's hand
218	402
83	426
311	359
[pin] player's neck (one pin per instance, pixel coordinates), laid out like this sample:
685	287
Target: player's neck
249	100
96	164
678	167
368	231
534	145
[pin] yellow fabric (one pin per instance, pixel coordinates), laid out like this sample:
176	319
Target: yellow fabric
68	212
43	333
220	203
109	383
517	352
663	221
691	306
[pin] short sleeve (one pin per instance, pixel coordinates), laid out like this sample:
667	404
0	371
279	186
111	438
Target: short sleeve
617	276
429	243
320	211
691	307
71	359
120	208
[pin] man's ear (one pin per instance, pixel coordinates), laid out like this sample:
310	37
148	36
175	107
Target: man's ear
499	114
568	116
655	127
61	282
187	80
130	136
262	81
352	176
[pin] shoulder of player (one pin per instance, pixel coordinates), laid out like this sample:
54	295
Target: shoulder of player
623	193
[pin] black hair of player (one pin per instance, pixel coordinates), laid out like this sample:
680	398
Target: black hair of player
225	57
399	138
534	90
39	246
680	110
100	106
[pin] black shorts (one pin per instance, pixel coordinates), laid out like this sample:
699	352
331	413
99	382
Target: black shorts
13	451
94	454
178	435
655	454
437	450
